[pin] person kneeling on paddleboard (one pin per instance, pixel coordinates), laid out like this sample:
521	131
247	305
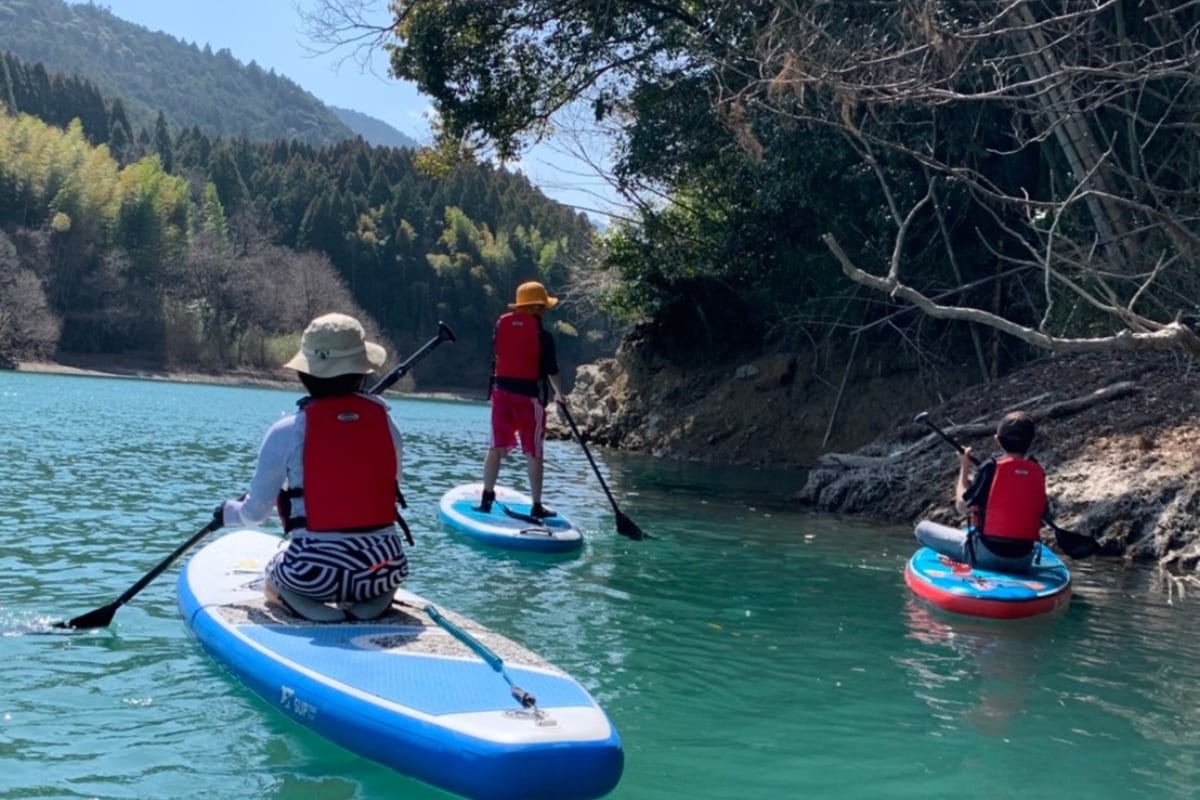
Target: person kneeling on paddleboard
524	361
332	469
1006	501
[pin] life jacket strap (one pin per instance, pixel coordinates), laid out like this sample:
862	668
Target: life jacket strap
302	522
290	523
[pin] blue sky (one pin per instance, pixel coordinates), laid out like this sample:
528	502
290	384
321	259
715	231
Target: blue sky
271	33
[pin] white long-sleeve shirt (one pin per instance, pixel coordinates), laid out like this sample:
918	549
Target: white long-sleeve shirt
281	465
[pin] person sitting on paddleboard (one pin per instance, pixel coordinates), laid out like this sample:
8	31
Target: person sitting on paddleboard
524	361
1006	500
332	469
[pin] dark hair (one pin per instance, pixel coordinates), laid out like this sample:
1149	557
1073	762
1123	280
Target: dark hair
332	387
1015	432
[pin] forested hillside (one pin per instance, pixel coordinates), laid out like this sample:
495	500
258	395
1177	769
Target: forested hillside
153	73
189	249
208	90
955	184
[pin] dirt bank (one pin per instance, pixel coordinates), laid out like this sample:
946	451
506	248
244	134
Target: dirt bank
780	410
280	380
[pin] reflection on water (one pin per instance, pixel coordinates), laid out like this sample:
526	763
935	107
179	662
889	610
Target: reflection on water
748	651
974	672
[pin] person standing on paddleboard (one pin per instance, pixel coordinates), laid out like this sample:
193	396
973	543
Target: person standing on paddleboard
1006	500
524	361
332	470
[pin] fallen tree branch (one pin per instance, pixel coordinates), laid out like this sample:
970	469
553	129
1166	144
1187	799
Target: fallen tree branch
972	430
851	461
1063	408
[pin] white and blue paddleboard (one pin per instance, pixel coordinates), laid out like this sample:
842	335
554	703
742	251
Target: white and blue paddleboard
421	690
509	523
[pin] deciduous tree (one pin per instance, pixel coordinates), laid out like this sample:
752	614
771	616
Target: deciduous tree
1035	162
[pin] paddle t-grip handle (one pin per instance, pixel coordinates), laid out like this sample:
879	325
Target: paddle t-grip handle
523	697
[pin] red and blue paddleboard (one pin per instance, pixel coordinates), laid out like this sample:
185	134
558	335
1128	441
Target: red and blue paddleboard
963	589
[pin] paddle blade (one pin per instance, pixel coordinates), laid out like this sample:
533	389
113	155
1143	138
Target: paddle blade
1081	551
1076	545
627	527
98	618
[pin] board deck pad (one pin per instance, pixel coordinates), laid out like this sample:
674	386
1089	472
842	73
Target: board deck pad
403	690
509	524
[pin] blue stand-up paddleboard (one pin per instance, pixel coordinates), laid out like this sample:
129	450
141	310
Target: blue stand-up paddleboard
963	589
508	524
421	690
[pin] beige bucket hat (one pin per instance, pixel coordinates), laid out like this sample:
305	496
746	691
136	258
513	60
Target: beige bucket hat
336	344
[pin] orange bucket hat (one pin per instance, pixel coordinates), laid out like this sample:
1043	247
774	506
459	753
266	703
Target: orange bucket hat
532	293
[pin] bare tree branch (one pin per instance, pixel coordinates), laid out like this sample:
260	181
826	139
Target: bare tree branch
1172	335
1106	93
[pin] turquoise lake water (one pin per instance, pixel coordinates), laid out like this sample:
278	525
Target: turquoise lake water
748	651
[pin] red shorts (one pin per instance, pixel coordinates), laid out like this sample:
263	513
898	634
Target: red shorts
517	415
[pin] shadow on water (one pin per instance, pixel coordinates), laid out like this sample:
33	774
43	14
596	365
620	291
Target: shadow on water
679	482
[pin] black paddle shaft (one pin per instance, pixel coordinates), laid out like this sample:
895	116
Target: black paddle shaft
102	617
397	372
625	526
924	418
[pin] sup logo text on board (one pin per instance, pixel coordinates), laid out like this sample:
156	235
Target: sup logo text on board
289	701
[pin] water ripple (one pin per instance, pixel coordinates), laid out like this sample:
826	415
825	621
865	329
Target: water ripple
746	651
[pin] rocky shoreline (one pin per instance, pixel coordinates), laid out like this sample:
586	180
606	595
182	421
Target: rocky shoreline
1119	435
1120	440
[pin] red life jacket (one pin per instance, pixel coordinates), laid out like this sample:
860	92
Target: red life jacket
349	466
518	347
1016	500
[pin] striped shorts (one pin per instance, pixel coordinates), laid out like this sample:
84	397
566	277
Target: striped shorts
340	567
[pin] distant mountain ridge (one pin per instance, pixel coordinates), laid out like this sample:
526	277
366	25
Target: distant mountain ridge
373	131
154	72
